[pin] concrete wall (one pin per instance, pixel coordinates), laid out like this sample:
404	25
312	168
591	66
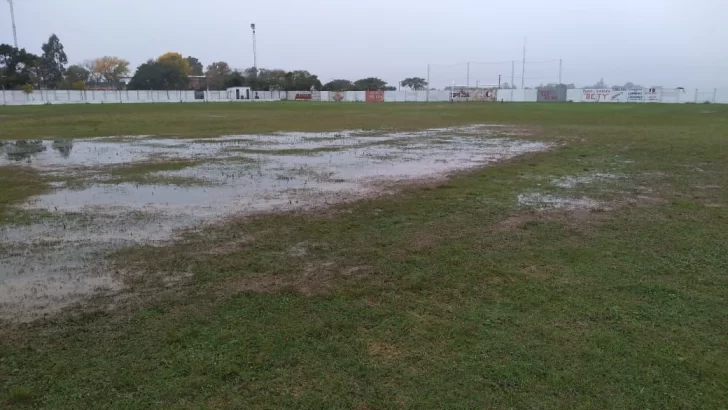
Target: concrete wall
517	95
38	97
17	97
660	95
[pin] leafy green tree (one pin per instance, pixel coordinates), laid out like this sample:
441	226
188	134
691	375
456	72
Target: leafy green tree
17	67
415	83
235	79
76	74
148	76
217	74
196	67
250	78
274	79
370	84
301	80
53	62
339	85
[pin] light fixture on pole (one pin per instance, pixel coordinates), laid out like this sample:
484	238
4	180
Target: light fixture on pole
12	18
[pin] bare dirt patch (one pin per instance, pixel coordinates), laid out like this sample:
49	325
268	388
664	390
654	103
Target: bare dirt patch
314	278
383	351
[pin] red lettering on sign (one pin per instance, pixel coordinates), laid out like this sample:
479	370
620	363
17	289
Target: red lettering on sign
374	96
546	95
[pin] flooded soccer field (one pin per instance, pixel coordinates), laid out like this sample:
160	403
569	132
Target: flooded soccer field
111	192
294	255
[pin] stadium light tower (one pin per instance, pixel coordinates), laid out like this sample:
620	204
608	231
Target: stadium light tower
255	50
12	18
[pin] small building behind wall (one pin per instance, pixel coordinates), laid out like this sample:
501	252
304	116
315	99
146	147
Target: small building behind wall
239	93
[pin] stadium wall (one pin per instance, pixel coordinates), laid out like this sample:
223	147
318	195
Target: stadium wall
586	95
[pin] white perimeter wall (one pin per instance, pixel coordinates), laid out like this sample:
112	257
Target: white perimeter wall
18	97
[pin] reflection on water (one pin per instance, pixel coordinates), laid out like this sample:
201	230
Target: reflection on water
63	147
22	150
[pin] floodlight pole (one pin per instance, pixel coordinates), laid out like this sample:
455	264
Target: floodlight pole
12	18
255	51
428	84
467	82
513	74
523	71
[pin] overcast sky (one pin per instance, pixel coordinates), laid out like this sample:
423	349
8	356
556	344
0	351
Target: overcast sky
650	42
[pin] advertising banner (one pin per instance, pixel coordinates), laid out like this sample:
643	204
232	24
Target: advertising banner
304	95
595	94
635	95
551	95
375	96
337	96
475	94
604	95
653	94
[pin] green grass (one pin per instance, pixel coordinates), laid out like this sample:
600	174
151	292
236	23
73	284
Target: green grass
17	184
446	296
194	120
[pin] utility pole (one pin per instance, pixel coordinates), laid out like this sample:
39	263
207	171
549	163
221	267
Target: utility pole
427	98
560	71
467	82
12	18
513	74
255	51
499	79
523	71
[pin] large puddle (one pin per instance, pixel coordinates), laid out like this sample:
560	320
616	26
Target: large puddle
51	263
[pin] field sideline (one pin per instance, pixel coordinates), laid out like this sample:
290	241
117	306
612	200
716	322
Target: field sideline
454	294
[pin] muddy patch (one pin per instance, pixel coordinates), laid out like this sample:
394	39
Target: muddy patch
576	180
222	177
548	201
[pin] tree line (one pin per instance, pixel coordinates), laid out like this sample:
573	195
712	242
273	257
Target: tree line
20	69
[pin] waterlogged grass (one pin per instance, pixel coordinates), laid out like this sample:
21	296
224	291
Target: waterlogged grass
142	168
153	173
17	185
449	295
292	151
